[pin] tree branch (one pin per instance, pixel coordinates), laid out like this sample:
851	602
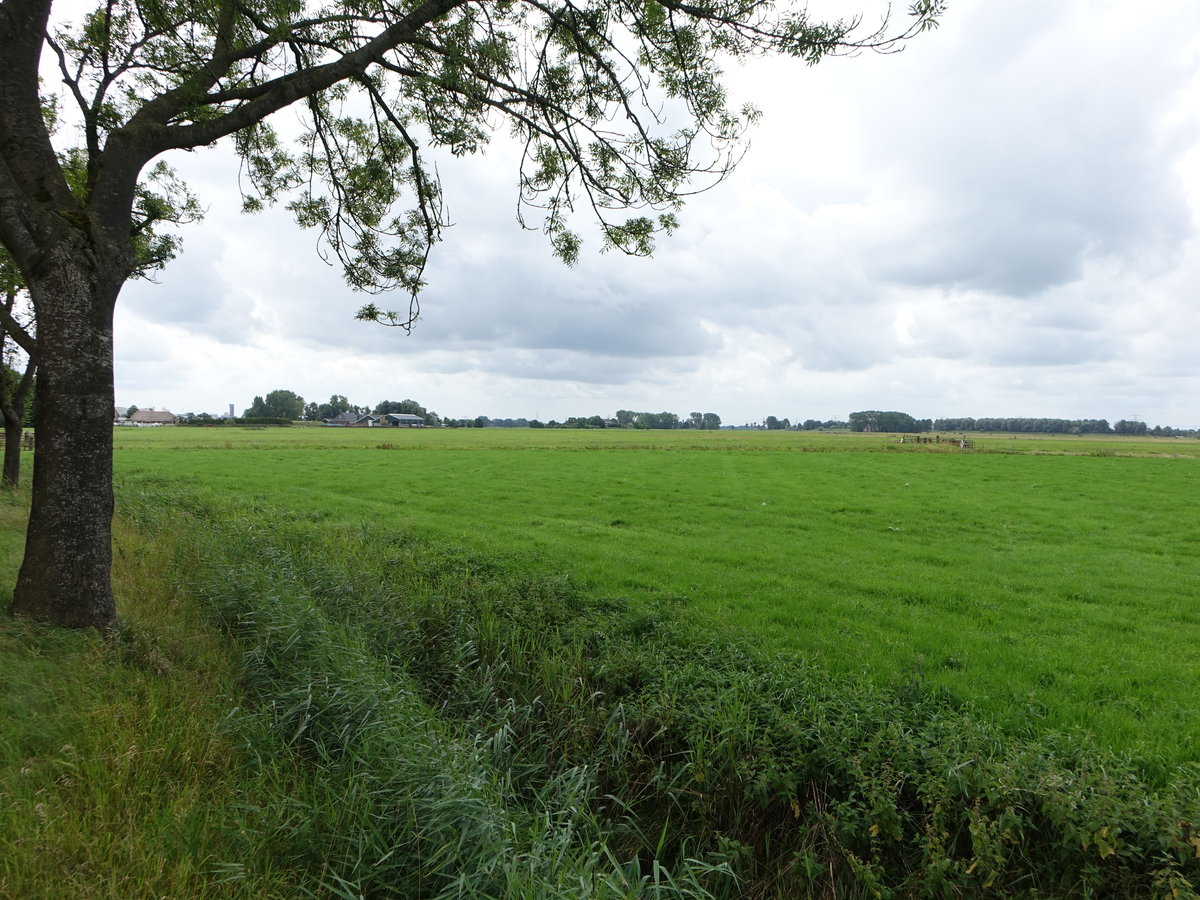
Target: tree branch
279	93
17	331
26	155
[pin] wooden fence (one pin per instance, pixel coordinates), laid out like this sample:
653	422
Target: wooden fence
963	443
26	440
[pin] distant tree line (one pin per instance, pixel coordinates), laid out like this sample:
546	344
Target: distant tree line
1135	427
628	418
412	408
892	421
277	405
624	418
1025	425
1061	426
876	420
289	406
199	419
774	423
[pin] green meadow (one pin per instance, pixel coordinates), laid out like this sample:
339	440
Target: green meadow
484	664
1051	582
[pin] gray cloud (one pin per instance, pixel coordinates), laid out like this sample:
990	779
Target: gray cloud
1048	155
515	306
1048	347
557	365
1001	220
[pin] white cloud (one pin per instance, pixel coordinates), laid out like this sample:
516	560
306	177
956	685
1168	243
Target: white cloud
1001	220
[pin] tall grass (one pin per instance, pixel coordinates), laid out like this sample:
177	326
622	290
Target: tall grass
162	762
456	727
387	798
116	779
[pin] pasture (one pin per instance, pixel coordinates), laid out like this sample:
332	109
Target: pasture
1052	582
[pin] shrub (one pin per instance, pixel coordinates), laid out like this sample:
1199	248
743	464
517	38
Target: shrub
261	420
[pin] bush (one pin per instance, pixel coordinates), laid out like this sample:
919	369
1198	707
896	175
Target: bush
261	420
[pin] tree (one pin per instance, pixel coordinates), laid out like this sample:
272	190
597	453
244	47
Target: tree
890	421
203	419
337	405
16	376
15	388
712	421
1124	426
278	405
619	106
411	407
18	330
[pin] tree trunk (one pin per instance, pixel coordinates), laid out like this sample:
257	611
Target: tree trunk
12	449
65	576
12	405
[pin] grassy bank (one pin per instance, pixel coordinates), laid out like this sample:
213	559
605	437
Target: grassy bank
118	777
477	731
254	747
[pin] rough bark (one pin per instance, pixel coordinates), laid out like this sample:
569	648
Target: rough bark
68	553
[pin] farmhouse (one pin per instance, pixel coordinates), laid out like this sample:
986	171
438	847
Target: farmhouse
403	420
352	419
150	417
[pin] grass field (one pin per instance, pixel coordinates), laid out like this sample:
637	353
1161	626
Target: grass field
487	664
1053	581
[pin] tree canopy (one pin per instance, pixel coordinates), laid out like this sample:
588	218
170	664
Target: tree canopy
279	404
336	405
890	421
411	407
619	106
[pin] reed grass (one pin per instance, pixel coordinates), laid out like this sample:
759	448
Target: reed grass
600	749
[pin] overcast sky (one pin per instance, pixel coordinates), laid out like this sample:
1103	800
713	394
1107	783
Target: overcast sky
1002	220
